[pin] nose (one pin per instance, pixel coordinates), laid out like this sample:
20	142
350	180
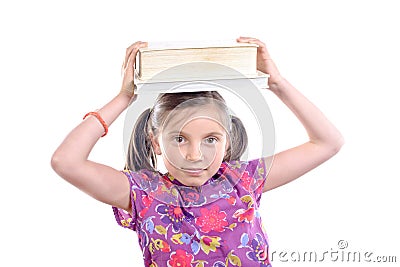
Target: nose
193	152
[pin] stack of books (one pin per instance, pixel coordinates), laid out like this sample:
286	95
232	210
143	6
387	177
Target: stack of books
194	66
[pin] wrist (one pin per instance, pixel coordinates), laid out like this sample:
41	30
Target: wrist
125	98
114	108
277	84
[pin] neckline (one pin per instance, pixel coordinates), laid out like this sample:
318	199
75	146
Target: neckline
170	191
169	178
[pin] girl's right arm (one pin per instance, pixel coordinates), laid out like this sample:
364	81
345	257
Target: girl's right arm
70	160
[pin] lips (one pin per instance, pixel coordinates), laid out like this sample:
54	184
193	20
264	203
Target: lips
193	171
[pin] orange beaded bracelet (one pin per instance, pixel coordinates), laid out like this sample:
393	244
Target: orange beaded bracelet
97	115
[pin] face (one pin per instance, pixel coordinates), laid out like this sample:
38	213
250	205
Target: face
192	144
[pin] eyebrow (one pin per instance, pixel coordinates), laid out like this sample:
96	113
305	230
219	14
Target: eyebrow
186	134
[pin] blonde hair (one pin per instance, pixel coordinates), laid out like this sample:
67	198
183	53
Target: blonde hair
140	151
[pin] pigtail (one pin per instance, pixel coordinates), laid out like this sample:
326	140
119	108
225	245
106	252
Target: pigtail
238	140
140	152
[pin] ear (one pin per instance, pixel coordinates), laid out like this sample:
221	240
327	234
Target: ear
155	144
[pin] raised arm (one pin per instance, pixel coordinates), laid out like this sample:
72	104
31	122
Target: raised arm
70	160
324	139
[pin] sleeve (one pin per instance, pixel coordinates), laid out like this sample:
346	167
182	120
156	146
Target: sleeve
257	170
122	217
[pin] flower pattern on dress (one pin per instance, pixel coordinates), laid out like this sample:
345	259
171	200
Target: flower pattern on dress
233	259
160	245
147	201
246	181
192	197
210	243
259	252
173	215
212	220
217	224
244	215
180	258
181	239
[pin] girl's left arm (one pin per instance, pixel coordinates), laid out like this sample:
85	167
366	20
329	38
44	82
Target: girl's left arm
324	139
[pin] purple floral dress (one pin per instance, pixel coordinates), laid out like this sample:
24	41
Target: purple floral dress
216	224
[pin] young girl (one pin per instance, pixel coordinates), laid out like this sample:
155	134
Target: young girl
204	210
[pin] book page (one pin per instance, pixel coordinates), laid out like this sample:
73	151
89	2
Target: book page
194	44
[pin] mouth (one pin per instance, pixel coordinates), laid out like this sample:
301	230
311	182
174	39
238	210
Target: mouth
193	171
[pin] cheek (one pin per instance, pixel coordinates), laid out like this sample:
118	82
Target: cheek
220	151
168	164
173	155
209	152
217	160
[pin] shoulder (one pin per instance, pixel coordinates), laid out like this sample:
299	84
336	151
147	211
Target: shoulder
247	175
251	167
143	179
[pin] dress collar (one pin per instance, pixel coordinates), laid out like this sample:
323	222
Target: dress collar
168	190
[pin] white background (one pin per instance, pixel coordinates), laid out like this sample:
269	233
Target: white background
61	59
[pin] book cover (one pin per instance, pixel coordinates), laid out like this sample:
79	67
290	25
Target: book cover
162	56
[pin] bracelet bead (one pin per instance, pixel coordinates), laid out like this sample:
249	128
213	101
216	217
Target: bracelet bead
100	119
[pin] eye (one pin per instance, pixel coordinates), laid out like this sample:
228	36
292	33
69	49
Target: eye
179	139
210	140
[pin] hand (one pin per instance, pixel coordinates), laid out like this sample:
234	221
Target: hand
128	68
264	62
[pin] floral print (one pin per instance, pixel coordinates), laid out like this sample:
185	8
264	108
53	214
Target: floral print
180	258
173	215
191	196
211	219
244	215
210	243
160	245
215	225
259	252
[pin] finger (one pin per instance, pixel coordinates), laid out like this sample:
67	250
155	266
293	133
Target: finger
128	52
131	47
262	48
134	47
258	42
251	40
131	59
245	39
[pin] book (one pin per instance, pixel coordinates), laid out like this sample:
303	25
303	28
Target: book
260	81
163	61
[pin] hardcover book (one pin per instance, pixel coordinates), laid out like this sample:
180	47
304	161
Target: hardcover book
164	57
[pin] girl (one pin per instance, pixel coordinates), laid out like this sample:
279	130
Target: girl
203	211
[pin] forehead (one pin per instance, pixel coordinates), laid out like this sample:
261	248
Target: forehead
200	116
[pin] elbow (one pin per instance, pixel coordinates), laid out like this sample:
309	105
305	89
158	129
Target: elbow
330	147
60	164
340	142
337	145
56	162
67	167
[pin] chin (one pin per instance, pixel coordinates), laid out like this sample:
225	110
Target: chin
193	185
193	181
193	177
